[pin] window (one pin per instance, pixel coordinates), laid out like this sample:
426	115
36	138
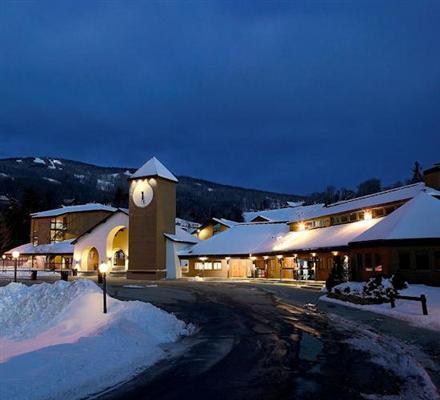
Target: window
422	259
217	265
198	265
216	228
208	266
378	212
404	260
437	260
359	261
368	262
119	258
184	264
377	263
58	227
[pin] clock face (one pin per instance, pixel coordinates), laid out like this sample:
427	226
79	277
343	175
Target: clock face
142	193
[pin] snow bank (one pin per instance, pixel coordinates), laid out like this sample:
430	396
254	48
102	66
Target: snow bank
406	310
56	342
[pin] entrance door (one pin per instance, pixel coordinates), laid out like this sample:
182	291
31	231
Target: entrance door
238	268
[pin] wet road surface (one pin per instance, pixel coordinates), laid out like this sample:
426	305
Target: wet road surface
251	344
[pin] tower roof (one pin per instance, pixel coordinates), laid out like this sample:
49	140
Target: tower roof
154	167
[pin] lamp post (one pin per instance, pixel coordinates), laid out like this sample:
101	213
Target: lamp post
15	255
103	268
4	259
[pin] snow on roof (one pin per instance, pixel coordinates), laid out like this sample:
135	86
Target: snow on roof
419	218
154	167
241	239
64	247
330	237
74	209
388	196
227	222
283	214
181	235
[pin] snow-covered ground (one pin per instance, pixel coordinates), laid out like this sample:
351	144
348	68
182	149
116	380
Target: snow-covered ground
406	310
56	342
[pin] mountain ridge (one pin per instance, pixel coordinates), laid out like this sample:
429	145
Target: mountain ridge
67	181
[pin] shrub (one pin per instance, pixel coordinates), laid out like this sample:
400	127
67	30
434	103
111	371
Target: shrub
398	281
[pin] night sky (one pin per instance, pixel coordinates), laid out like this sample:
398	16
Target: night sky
287	96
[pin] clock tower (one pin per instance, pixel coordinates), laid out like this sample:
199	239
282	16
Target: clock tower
152	212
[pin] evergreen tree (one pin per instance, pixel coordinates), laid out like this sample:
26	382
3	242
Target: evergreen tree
417	173
369	186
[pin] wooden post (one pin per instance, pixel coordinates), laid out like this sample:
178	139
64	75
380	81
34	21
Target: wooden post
392	300
424	306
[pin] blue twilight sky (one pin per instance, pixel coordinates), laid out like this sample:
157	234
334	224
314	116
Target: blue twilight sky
286	96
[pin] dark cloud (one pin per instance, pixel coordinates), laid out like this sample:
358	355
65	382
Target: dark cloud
287	96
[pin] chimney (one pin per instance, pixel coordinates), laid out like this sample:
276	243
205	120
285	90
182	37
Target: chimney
431	176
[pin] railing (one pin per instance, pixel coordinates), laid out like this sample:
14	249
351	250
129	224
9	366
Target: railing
421	298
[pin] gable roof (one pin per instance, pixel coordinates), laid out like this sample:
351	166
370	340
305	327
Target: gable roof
181	236
154	167
74	209
241	239
284	214
419	218
64	247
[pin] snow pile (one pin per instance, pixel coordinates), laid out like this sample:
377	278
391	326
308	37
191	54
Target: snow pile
392	355
406	310
55	338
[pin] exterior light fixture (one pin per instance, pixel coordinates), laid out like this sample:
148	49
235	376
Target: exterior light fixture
335	253
313	254
279	256
15	256
301	226
368	216
266	257
103	268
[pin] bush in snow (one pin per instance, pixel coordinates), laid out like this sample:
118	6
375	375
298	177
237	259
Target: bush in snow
375	291
335	277
398	281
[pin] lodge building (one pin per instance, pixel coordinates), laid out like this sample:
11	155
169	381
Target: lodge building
397	229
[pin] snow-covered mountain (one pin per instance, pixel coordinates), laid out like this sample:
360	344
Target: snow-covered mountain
67	181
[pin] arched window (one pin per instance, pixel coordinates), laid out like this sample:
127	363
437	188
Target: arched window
119	258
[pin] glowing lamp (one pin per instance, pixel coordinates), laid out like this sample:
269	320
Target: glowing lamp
4	256
301	226
335	253
227	258
368	216
265	257
203	258
103	268
279	256
15	254
313	254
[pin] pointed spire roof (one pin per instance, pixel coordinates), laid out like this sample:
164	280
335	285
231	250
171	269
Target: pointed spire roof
419	218
154	167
